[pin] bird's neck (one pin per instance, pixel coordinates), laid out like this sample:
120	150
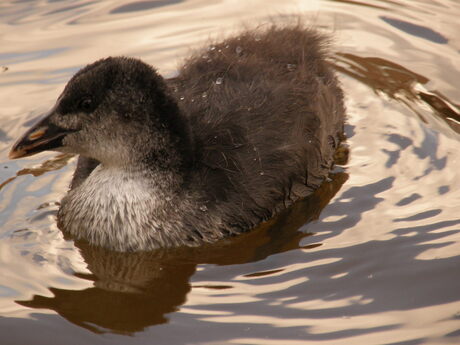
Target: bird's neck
130	185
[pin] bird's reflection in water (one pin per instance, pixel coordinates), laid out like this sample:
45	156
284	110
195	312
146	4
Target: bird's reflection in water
135	290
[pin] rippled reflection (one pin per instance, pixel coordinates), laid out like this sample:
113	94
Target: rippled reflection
401	84
416	30
135	290
143	5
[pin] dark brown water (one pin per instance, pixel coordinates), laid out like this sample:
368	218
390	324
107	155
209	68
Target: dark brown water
373	257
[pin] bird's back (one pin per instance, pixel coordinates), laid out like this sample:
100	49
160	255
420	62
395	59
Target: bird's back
266	114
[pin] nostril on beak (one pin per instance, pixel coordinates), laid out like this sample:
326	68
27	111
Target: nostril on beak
37	133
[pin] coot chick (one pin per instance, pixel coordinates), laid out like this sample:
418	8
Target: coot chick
247	127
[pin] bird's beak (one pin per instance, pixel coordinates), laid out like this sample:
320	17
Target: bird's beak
41	137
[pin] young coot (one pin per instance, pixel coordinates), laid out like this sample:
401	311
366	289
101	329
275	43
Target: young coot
247	127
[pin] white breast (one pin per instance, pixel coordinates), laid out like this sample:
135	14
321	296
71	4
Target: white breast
114	206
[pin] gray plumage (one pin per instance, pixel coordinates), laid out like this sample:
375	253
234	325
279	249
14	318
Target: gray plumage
247	127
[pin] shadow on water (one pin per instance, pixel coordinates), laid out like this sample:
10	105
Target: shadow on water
135	290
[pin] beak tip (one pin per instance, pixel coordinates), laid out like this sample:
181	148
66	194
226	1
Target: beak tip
14	154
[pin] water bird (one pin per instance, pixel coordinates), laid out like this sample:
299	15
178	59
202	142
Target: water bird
247	127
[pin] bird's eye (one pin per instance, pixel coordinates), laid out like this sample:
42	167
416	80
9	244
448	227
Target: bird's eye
86	104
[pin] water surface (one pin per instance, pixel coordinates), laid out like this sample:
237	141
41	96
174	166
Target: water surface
371	258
